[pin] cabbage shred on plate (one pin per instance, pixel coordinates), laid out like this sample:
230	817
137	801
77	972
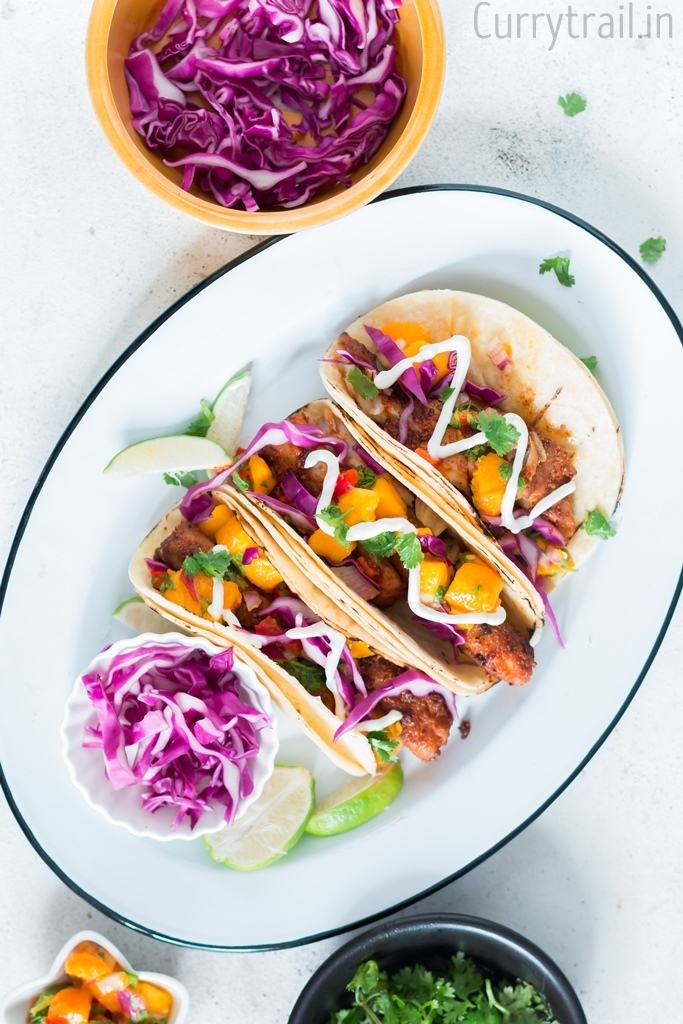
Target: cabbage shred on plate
264	102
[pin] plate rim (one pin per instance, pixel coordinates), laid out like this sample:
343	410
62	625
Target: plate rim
75	420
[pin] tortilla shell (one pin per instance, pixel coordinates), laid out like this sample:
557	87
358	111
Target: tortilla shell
545	383
352	752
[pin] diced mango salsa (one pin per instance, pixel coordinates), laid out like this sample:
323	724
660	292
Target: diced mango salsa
157	1000
488	486
329	548
359	649
196	594
182	592
390	501
262	480
70	1006
434	575
106	990
411	334
232	536
217	519
262	574
554	560
86	965
475	588
359	505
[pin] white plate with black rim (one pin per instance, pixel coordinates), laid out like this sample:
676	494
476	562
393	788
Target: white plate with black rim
280	305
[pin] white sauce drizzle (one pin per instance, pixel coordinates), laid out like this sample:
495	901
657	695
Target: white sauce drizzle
463	350
370	724
331	476
397	524
329	662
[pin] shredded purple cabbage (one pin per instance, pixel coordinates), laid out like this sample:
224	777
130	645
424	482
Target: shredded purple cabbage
435	546
485	393
260	103
367	458
351	574
195	735
297	494
393	354
249	555
305	524
445	631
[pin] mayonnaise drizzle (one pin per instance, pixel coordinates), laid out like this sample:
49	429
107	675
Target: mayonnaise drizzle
330	482
330	662
396	524
438	450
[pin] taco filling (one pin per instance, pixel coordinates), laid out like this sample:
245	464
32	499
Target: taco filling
216	571
518	480
374	534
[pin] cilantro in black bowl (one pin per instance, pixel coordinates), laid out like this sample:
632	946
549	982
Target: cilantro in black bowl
444	969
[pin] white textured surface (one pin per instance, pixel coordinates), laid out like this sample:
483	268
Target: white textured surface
89	259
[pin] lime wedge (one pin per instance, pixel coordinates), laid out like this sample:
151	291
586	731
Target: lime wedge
139	617
228	411
356	802
271	826
172	454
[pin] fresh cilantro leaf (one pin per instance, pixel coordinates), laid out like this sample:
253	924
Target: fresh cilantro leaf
200	426
382	745
652	249
560	264
334	517
500	434
465	976
132	978
366	477
440	595
240	483
381	546
445	394
166	584
505	470
181	479
365	387
366	979
310	675
596	525
212	563
572	104
590	361
409	550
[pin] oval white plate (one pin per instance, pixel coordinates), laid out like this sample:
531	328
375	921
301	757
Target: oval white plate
280	306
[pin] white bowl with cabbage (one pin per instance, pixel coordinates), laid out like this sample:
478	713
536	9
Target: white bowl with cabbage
169	736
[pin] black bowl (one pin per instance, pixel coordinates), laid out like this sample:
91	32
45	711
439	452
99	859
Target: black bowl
431	940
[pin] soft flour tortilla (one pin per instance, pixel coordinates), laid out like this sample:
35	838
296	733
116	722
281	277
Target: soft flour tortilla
545	384
352	752
394	632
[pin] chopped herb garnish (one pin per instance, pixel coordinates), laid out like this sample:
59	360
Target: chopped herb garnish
334	517
310	675
211	563
365	387
590	361
200	426
240	483
560	264
409	550
572	104
366	477
505	470
440	594
166	584
652	249
476	453
500	434
181	479
596	525
382	745
461	994
445	394
381	546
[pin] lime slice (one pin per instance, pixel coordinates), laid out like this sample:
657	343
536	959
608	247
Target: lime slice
139	617
228	411
271	826
172	454
356	802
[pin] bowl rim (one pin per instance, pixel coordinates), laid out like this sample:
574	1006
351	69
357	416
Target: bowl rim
359	948
269	222
29	989
77	706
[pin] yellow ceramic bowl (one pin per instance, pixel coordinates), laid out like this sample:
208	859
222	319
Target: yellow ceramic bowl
115	23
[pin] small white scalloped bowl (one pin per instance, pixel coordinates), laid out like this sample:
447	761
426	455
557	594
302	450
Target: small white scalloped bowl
124	806
15	1005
